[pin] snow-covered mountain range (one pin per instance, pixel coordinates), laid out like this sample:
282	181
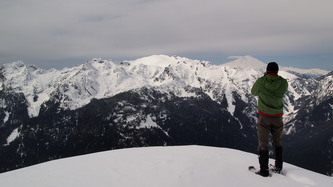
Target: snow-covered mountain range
137	95
179	166
75	87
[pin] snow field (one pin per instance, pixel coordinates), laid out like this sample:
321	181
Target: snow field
179	166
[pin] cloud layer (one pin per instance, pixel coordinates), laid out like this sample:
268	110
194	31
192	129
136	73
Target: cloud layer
61	29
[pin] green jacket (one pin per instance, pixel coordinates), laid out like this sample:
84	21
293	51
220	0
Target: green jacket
270	89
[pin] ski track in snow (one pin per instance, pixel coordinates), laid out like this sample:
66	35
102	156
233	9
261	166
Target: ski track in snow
179	166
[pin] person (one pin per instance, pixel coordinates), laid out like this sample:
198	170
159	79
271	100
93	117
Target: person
270	88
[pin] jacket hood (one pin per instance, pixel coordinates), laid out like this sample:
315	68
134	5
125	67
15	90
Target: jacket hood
273	84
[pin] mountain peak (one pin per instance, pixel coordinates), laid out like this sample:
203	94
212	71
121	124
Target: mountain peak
158	60
245	62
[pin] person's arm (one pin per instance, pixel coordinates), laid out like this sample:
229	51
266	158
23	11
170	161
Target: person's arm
255	88
285	87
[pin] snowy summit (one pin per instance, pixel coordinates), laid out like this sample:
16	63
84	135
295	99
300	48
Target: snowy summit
159	60
246	62
182	166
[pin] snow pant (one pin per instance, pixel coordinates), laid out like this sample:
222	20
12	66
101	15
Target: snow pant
266	126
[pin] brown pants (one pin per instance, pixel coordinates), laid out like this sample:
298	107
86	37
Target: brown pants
266	126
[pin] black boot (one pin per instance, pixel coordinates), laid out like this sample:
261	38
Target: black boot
263	161
278	159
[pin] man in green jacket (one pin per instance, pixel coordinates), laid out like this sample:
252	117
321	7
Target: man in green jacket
270	88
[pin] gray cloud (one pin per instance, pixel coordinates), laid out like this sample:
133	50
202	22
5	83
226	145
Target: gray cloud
40	30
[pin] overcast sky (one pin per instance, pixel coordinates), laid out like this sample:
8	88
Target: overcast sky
64	33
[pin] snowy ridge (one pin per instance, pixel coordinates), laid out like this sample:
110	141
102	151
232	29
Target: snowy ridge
315	72
325	89
75	87
180	166
159	60
248	62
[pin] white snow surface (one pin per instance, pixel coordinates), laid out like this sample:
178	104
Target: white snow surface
179	166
